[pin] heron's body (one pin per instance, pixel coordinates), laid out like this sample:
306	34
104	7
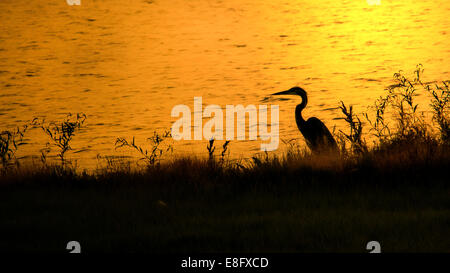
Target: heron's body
317	136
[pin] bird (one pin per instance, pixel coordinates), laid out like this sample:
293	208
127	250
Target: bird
317	136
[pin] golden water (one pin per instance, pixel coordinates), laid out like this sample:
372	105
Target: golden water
127	63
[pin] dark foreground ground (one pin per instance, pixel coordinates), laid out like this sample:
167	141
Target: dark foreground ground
130	220
396	192
195	206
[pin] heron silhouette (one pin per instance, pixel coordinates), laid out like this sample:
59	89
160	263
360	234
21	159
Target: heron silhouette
317	136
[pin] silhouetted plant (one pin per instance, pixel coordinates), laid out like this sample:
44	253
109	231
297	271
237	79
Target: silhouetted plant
380	125
211	149
113	164
341	141
409	123
292	146
260	161
294	151
157	150
9	142
400	103
61	134
440	103
358	145
224	151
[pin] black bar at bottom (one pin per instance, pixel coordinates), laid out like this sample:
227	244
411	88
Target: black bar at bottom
227	262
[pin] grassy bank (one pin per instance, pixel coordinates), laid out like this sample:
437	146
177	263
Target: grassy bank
395	191
189	206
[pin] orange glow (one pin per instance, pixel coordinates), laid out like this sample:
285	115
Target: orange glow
127	65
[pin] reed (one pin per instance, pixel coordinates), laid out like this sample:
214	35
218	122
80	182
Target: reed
61	134
159	146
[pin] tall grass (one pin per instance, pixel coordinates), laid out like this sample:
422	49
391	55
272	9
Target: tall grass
10	140
409	122
61	134
355	136
159	146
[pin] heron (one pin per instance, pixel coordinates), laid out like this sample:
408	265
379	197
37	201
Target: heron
317	136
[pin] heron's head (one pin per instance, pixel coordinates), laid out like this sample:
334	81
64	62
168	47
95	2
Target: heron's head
293	91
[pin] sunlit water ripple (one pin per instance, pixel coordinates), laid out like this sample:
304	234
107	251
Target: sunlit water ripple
127	65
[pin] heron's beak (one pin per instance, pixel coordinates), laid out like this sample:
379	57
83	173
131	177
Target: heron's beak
287	92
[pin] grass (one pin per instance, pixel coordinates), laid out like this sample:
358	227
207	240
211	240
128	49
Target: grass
180	208
395	192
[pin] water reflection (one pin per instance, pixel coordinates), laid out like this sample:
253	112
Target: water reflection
126	66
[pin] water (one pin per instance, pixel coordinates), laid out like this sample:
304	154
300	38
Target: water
126	64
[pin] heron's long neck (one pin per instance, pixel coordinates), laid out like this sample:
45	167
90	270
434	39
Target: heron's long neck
298	110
